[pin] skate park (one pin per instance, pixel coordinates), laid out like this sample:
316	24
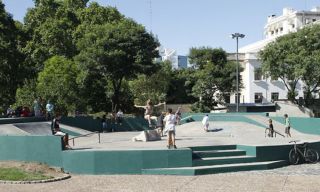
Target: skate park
234	142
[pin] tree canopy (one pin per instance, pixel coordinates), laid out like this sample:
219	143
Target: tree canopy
294	57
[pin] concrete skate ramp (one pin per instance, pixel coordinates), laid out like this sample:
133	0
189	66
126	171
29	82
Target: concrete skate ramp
35	128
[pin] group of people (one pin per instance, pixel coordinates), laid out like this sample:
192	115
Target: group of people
287	127
117	118
40	109
166	122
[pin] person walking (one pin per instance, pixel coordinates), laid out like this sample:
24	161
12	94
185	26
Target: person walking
287	125
205	123
170	120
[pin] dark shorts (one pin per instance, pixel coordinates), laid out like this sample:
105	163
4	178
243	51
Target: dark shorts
287	130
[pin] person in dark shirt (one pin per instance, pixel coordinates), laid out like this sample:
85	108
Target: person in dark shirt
271	130
56	131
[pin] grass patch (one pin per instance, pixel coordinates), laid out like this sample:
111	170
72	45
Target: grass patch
16	174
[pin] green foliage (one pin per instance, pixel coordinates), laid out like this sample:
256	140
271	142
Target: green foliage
11	59
152	87
26	94
215	77
180	87
295	57
51	25
116	51
58	83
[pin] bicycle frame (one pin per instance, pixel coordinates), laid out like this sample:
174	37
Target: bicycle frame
301	149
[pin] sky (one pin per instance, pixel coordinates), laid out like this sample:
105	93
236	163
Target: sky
182	24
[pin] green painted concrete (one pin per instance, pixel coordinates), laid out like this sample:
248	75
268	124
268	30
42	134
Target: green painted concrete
222	117
124	161
222	153
273	152
220	161
46	149
91	124
303	125
21	120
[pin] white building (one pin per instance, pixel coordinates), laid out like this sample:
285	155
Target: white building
258	89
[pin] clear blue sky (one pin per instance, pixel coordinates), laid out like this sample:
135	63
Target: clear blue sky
182	24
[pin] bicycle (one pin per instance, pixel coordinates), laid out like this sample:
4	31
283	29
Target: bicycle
301	150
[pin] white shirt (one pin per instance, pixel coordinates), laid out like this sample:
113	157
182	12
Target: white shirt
205	120
170	120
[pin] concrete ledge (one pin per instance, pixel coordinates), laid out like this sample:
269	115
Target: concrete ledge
66	176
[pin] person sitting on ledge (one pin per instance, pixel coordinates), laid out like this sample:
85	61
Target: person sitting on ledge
56	131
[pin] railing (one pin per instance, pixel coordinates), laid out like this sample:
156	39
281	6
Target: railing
274	131
85	136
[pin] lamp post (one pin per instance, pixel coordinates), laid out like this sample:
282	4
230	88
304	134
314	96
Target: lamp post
237	36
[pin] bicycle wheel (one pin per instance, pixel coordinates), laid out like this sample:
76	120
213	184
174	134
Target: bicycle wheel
294	157
312	156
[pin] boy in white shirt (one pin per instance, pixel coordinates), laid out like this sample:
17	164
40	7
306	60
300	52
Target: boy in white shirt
205	123
170	120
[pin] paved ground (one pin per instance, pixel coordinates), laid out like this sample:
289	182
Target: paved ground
292	178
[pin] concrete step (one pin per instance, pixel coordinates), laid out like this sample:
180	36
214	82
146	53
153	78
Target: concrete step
223	160
213	169
217	153
216	147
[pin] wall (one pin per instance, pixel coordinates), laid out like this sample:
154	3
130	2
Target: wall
124	161
21	120
45	149
90	124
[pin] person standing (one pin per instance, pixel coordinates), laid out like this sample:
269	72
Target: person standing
36	107
119	117
49	109
104	123
205	123
287	125
271	130
170	120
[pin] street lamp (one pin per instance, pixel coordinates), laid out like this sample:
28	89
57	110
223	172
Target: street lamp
237	36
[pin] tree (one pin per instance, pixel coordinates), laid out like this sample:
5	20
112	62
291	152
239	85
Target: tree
154	87
281	60
51	25
180	87
117	51
215	77
58	83
11	58
295	57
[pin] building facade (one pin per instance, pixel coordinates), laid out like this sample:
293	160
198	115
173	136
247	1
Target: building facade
256	88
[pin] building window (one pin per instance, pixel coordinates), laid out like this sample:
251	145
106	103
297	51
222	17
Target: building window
235	98
272	32
274	96
227	98
314	20
258	97
281	28
257	74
